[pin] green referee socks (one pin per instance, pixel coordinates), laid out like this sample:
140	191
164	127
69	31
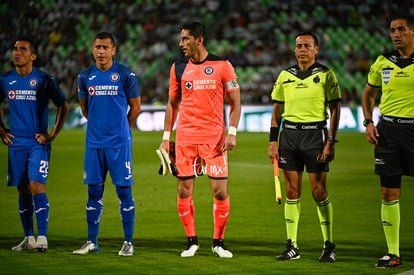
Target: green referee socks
325	214
390	217
292	214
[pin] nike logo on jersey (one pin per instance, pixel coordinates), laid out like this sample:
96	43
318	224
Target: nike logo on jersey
12	82
189	72
92	77
90	208
128	177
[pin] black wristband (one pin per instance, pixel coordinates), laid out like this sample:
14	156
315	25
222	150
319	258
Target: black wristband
274	133
332	139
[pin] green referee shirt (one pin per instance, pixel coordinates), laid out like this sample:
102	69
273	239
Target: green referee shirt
395	75
306	94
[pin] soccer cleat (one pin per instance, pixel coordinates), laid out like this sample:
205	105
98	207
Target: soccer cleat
389	260
127	249
41	244
28	243
220	249
86	248
290	253
192	247
328	253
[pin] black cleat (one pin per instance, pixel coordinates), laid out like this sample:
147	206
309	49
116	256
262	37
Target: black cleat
290	253
389	260
328	253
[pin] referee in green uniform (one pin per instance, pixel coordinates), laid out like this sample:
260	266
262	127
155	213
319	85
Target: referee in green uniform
393	136
304	95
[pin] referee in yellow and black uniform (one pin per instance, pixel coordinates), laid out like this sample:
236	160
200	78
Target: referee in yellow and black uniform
304	95
393	136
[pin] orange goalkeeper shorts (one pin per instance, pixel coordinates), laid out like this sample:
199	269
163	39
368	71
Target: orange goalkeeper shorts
196	159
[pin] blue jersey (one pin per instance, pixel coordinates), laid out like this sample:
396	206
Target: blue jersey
107	94
28	99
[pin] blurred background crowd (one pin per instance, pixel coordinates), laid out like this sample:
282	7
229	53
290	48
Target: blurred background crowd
257	36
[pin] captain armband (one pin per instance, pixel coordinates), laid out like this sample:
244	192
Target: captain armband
274	133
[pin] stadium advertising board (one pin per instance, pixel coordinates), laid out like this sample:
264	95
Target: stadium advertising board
252	119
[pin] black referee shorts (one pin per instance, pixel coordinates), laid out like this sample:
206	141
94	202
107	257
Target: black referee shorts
394	154
300	145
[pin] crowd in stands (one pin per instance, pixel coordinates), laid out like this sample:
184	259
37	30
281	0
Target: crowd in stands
255	35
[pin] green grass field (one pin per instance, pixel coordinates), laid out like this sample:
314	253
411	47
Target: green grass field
255	231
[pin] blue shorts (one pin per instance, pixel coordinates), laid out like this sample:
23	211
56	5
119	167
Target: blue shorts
117	161
28	164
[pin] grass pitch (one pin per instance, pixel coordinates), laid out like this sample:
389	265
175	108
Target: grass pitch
255	232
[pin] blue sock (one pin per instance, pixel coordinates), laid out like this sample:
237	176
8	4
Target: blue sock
26	213
94	209
41	206
127	210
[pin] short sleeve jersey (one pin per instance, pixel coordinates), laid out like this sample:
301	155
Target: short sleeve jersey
202	89
306	94
28	99
107	94
395	76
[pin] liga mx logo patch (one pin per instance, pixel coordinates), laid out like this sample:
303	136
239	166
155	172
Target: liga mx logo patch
114	77
386	76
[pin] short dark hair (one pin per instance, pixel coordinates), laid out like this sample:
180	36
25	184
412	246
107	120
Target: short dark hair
402	15
33	44
105	35
196	29
315	39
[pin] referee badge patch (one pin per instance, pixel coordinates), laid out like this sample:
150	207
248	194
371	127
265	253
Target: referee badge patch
386	76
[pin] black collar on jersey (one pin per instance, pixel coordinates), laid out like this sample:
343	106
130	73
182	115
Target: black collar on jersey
396	58
315	68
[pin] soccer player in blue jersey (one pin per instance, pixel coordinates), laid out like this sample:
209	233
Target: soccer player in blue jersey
28	91
393	135
109	96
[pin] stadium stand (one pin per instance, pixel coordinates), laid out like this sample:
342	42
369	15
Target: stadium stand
255	35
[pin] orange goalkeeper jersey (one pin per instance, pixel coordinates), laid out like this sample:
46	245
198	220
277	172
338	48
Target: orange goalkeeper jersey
202	89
